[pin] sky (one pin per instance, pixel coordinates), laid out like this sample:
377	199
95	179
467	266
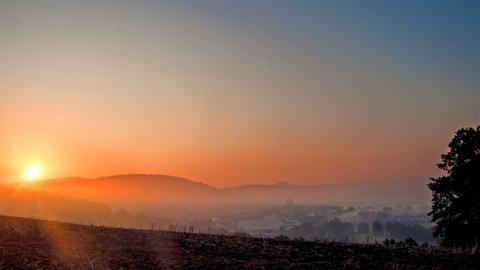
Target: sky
236	92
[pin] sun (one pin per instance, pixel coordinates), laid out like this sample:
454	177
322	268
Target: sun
32	173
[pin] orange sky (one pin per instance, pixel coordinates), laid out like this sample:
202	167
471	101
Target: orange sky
65	145
232	94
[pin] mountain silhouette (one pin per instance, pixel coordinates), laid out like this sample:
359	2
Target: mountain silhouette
152	192
138	191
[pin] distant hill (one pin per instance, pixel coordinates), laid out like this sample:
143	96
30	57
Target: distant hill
133	190
47	205
273	194
34	244
151	192
365	193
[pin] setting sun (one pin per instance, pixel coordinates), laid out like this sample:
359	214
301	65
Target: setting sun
32	173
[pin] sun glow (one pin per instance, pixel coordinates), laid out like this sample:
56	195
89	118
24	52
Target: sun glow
32	173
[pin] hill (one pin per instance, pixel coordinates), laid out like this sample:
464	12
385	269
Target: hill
133	191
32	203
367	193
149	192
34	244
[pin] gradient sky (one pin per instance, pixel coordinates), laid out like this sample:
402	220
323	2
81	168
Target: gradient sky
234	92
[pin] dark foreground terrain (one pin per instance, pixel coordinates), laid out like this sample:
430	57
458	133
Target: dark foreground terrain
33	244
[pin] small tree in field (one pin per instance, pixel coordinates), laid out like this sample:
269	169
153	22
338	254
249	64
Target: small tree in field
456	195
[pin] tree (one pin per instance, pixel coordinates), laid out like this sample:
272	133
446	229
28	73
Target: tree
363	228
456	195
377	229
338	230
410	242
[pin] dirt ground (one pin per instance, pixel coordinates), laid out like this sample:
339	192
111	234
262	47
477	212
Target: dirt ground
33	244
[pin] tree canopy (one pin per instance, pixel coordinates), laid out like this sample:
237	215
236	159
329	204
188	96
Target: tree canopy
456	195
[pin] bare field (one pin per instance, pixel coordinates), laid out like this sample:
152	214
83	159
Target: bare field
33	244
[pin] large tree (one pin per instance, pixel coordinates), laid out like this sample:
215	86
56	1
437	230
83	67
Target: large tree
456	195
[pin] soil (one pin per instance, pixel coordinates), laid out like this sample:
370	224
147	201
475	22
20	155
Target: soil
35	244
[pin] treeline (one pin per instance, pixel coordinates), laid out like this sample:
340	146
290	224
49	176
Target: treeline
337	230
